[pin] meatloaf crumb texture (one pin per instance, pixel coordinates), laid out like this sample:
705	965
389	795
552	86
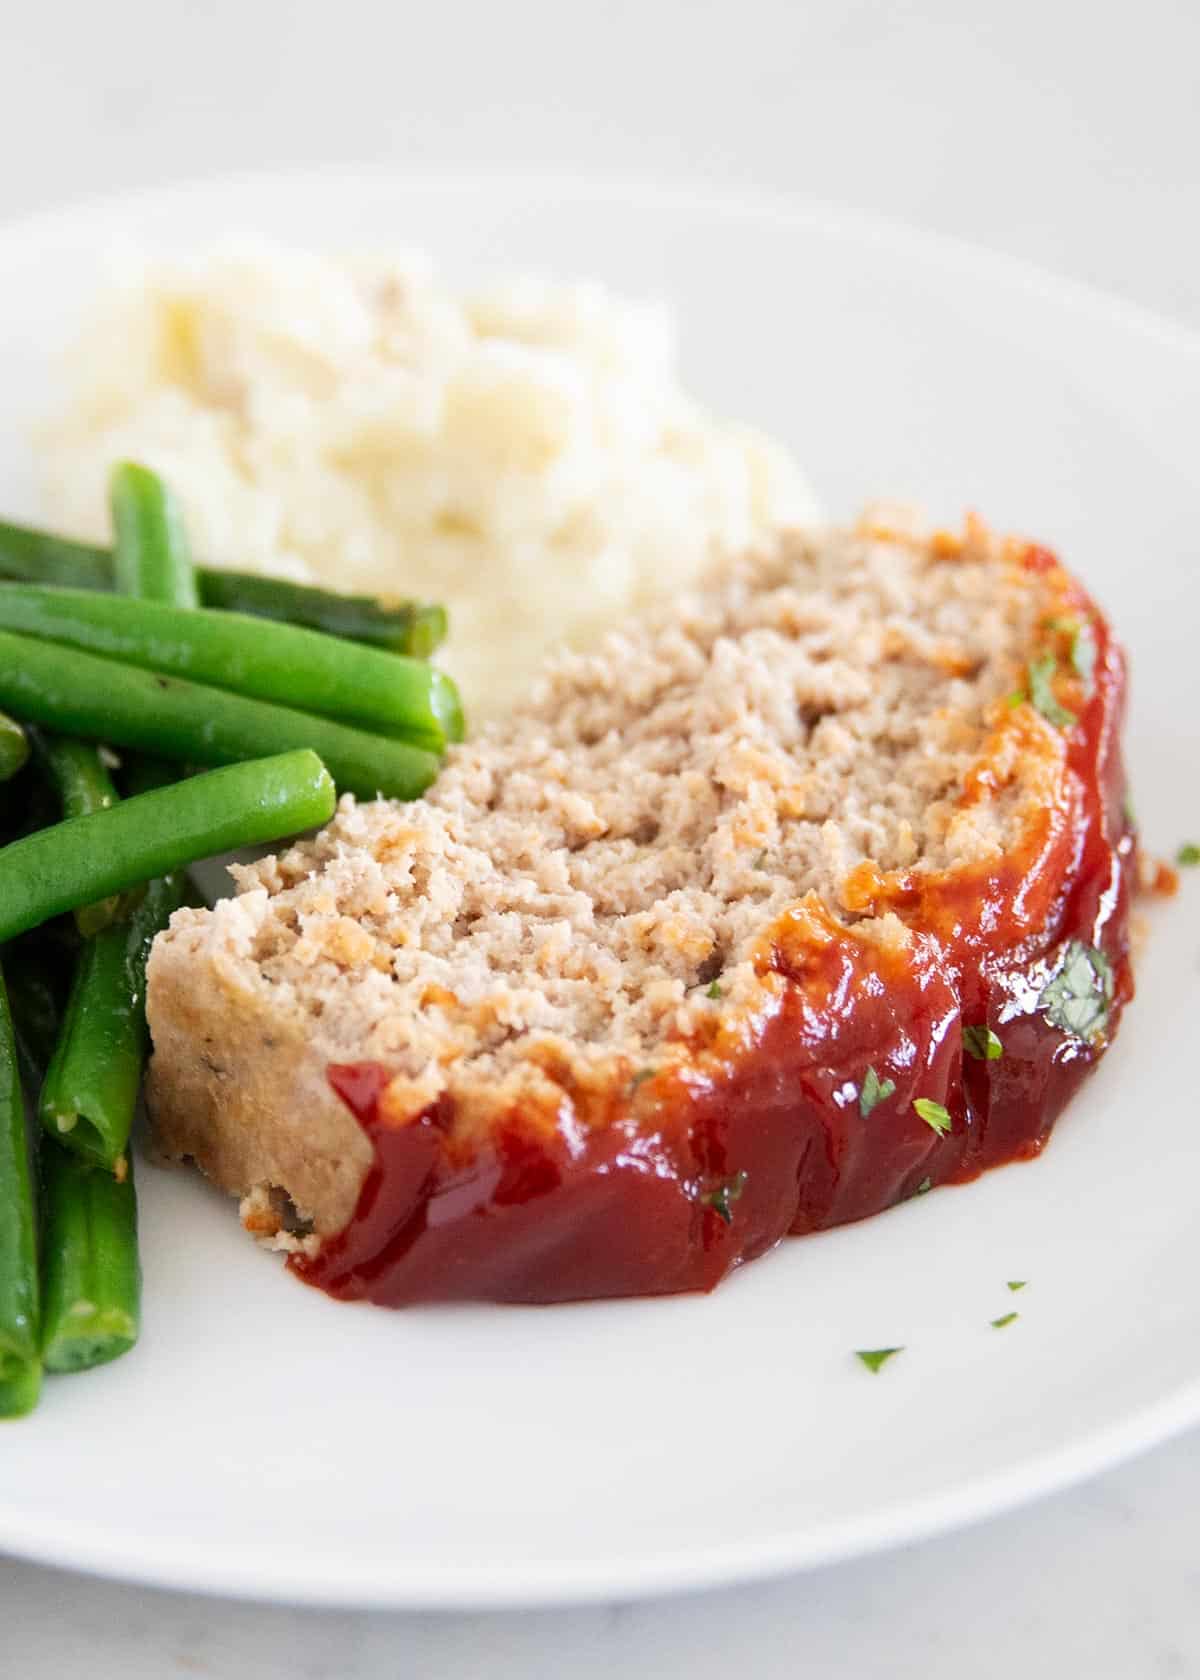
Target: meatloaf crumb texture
588	886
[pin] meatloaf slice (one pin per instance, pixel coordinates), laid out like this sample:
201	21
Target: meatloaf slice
805	896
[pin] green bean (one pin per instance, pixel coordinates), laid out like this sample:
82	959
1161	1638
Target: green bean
26	802
79	775
91	1275
14	748
156	833
409	627
91	1087
151	559
34	1001
80	694
20	1366
415	628
83	785
251	656
26	553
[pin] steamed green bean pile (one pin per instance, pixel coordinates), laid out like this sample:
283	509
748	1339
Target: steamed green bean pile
120	674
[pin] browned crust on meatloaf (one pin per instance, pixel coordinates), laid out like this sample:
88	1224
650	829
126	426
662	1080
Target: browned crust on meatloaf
554	913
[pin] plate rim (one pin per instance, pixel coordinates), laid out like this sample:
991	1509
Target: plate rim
749	203
672	1573
197	1567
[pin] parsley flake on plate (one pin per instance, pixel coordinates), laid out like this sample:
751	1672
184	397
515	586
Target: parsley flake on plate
1078	998
933	1114
722	1197
1004	1319
1017	1283
874	1091
1041	692
876	1358
982	1043
1188	855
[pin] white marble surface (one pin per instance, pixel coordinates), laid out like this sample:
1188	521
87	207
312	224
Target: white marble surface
1059	131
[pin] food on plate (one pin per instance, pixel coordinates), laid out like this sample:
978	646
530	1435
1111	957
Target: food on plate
91	1306
152	560
796	885
362	686
20	1363
103	699
81	782
792	901
14	748
411	627
88	1088
76	862
525	452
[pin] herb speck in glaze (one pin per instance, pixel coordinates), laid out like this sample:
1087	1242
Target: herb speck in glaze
933	1114
874	1091
722	1198
1077	999
982	1043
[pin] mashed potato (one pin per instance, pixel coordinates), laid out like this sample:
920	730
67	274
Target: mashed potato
525	453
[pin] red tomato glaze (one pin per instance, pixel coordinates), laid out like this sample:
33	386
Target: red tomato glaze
686	1175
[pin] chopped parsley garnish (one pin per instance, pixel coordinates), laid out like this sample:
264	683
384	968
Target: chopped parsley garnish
714	991
933	1114
1041	692
641	1076
1017	698
925	1186
1005	1318
722	1198
1127	809
1083	647
1083	656
1017	1283
874	1091
982	1043
875	1358
1077	999
1188	855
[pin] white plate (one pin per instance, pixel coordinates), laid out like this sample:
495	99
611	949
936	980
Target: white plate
264	1441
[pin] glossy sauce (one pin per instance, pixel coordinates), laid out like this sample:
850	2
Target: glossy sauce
667	1185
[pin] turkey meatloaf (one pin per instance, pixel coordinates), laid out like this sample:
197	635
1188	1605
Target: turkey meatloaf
777	910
